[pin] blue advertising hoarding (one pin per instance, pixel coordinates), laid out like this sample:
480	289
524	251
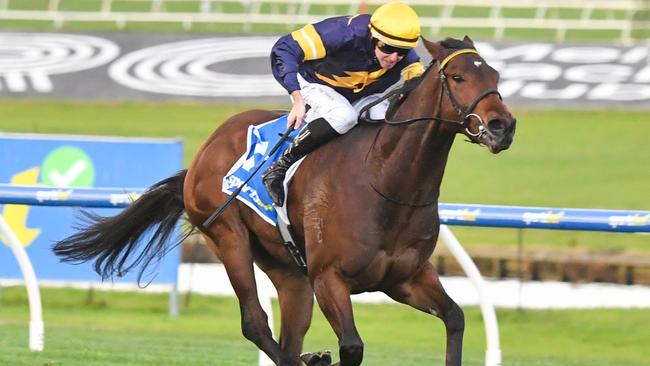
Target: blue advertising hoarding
77	162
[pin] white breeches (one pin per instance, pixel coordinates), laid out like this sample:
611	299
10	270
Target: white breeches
326	103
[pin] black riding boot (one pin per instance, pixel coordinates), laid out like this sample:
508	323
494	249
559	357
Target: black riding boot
315	134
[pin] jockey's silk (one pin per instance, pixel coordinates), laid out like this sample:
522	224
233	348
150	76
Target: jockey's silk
338	52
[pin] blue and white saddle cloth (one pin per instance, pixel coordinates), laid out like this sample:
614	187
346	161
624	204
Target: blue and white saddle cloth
259	141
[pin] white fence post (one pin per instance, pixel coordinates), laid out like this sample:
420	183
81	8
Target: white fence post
296	12
265	292
493	351
36	325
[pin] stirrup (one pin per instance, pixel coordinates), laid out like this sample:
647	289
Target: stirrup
303	144
274	183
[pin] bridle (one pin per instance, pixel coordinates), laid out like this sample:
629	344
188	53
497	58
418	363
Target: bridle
465	113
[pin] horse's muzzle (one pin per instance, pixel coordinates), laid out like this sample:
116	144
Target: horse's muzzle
500	134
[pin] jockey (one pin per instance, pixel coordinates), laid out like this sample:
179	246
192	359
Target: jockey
337	66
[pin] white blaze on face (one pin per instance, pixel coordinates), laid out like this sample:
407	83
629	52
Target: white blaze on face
478	63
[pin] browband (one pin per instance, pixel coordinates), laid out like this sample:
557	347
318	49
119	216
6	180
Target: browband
444	62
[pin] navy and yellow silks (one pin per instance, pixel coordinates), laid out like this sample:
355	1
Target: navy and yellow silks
337	52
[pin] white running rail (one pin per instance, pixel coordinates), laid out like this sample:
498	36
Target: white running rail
493	350
36	325
623	16
265	292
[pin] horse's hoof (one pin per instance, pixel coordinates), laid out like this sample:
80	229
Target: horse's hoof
317	358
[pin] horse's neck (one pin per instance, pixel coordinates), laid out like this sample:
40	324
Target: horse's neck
407	162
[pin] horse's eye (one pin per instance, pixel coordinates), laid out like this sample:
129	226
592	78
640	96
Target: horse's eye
458	78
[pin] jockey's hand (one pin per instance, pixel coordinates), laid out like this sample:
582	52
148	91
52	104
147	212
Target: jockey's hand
297	114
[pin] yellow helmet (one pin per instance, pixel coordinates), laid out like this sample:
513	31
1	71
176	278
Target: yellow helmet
396	24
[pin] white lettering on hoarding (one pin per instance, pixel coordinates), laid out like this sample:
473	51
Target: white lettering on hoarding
531	71
586	55
540	90
620	92
27	60
600	73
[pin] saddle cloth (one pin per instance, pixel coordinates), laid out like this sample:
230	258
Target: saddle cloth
259	141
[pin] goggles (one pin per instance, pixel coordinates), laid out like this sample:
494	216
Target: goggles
389	50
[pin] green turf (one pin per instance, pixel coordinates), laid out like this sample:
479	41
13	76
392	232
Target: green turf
192	122
134	329
560	158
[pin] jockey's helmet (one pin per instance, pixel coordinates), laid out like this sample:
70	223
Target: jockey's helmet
396	24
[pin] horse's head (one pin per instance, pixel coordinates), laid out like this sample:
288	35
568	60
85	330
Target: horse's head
470	90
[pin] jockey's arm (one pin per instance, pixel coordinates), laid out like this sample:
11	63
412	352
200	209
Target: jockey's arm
304	44
297	114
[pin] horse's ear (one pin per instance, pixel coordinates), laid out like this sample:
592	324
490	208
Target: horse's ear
433	48
468	40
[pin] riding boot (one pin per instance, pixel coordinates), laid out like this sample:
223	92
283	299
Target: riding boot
315	134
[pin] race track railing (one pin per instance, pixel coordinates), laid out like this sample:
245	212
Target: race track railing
450	214
46	196
622	16
545	218
36	324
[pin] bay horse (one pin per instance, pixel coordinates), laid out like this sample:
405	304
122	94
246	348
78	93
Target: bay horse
363	208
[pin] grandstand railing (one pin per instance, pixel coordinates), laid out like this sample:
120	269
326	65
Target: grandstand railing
622	16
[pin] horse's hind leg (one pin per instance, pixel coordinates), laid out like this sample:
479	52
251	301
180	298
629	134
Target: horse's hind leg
296	299
333	296
424	292
233	244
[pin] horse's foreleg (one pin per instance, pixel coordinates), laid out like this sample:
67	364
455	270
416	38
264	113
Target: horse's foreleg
296	299
424	292
234	248
333	296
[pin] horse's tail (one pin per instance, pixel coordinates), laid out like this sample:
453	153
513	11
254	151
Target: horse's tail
111	240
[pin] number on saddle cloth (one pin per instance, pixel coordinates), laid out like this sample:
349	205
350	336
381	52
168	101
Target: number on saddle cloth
260	140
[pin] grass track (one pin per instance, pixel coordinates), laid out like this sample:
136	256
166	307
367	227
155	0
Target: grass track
117	328
560	158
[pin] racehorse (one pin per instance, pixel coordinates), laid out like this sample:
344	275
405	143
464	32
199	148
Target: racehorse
363	208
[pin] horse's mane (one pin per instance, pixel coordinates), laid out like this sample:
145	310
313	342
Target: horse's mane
456	44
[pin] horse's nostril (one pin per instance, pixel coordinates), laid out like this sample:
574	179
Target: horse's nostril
497	126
